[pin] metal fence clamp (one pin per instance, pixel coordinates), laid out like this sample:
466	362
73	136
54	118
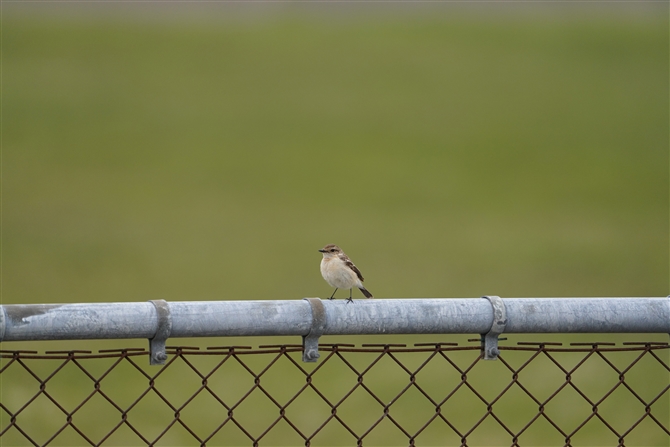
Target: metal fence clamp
310	342
157	354
2	323
490	340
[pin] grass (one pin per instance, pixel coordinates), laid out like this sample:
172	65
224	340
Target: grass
450	155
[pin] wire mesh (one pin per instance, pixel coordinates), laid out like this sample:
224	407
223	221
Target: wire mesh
389	394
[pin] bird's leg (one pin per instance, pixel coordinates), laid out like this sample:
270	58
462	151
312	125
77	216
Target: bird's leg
350	300
331	296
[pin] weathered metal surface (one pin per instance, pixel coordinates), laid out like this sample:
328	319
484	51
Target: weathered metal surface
295	317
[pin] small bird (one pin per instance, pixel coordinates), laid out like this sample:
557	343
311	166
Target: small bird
338	271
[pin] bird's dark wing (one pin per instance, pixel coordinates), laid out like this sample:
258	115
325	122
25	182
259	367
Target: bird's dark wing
354	268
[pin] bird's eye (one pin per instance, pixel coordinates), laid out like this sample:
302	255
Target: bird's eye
332	250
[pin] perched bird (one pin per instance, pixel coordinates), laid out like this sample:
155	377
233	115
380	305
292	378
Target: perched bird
338	271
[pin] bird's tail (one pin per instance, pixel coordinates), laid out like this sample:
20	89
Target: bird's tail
366	293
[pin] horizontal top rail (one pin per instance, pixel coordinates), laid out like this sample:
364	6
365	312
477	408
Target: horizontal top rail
379	316
160	320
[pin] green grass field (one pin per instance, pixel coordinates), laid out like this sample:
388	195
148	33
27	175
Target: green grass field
449	153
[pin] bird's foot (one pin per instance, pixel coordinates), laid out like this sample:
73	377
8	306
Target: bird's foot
350	300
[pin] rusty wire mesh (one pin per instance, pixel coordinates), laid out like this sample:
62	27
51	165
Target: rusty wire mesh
427	394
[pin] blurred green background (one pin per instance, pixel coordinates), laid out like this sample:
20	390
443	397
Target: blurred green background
205	152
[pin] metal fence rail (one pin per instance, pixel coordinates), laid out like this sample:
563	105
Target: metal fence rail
432	394
311	318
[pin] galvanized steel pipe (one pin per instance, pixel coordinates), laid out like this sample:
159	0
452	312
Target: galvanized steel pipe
378	316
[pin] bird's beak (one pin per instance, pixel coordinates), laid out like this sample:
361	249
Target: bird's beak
322	250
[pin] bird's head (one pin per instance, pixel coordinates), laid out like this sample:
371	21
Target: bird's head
330	250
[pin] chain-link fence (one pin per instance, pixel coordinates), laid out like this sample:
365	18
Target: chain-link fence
426	394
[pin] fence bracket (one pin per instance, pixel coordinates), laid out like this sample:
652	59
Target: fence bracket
2	323
490	340
157	354
310	342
